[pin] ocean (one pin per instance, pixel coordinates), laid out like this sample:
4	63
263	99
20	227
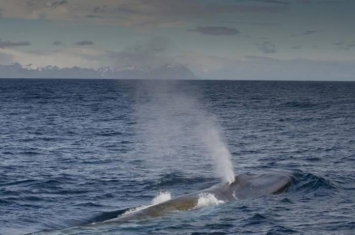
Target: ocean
74	152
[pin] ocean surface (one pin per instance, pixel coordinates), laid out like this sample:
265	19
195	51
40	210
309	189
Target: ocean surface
74	152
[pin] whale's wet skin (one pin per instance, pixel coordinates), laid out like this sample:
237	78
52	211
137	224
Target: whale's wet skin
245	186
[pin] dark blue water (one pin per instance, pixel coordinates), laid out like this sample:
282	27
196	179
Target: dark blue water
79	151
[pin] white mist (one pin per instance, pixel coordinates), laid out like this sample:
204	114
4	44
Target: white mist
170	120
219	152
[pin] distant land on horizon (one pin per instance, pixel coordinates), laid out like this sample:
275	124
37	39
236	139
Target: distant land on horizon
166	71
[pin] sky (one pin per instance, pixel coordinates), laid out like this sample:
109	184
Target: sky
216	39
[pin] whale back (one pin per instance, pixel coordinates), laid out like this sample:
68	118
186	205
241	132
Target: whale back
250	186
256	185
245	186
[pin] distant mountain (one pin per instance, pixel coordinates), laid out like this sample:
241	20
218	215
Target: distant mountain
166	71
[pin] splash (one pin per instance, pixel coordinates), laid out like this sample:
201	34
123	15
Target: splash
207	199
160	198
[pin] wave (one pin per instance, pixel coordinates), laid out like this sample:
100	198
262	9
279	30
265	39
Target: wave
300	104
310	183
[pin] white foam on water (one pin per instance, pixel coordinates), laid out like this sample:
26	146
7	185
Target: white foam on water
139	208
160	198
207	199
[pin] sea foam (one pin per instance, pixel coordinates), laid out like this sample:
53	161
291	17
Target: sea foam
207	199
160	198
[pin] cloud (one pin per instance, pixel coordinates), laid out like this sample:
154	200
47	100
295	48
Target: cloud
267	47
58	43
347	47
266	68
297	69
151	54
339	43
68	57
329	1
151	47
59	3
141	13
297	47
7	44
272	1
304	1
216	30
204	66
6	58
309	32
84	43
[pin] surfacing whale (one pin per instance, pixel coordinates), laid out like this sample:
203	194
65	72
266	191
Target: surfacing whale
244	186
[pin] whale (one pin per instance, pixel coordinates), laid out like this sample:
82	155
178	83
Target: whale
245	186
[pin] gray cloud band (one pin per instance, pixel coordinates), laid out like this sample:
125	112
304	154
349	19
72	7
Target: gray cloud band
84	43
157	13
216	31
8	44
